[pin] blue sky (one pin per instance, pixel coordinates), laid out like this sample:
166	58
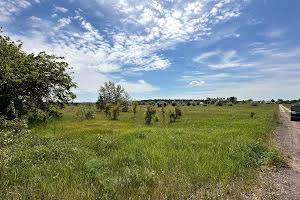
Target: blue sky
167	49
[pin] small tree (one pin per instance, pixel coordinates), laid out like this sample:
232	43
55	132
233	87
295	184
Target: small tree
150	112
31	81
178	112
163	113
115	111
112	98
172	116
134	107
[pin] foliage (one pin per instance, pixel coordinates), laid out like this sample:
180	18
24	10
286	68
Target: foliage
252	114
36	116
115	111
85	113
112	96
30	81
230	104
172	116
219	102
174	103
134	107
149	115
178	112
253	103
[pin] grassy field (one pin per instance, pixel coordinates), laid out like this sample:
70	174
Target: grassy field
210	153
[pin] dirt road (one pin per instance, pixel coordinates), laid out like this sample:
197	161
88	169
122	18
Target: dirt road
287	137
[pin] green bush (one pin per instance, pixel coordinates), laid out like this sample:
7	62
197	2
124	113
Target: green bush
219	103
150	112
172	117
37	116
115	112
178	112
275	158
253	103
252	114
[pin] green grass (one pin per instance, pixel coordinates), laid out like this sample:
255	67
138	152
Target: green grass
210	153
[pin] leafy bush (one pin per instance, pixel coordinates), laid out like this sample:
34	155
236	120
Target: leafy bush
275	158
178	112
188	103
253	103
252	114
37	116
150	112
219	103
125	106
11	111
107	110
85	113
172	117
89	115
193	103
134	107
230	104
115	112
174	103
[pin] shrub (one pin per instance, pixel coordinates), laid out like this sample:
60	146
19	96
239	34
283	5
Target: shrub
193	103
150	112
156	118
230	104
275	158
172	116
252	114
178	112
11	111
115	112
125	106
84	113
253	103
188	103
37	116
205	104
134	107
163	113
89	115
107	110
174	103
219	103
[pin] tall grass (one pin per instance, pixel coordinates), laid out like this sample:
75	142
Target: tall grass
210	152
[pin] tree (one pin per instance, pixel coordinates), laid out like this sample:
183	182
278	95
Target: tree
112	96
29	81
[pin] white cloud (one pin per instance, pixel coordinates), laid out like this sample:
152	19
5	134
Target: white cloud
196	83
221	59
276	33
140	86
9	8
60	9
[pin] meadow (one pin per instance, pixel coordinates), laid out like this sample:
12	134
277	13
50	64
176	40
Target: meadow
211	152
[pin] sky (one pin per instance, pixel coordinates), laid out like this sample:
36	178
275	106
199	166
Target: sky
190	49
